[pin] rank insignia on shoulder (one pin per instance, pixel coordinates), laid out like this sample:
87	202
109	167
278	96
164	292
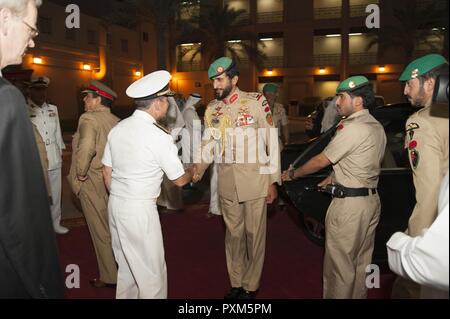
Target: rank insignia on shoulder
414	157
162	128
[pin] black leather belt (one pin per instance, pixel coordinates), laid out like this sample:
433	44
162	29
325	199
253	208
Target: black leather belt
357	192
340	191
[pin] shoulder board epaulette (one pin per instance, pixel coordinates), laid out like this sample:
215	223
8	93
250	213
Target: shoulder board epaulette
162	128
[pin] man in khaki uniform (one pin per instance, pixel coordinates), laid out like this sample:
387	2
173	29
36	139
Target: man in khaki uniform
245	186
356	152
427	144
86	177
280	119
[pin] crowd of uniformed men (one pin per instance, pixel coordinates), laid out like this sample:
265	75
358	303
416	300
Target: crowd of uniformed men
122	170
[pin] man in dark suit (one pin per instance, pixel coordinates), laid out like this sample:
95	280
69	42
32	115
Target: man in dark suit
29	265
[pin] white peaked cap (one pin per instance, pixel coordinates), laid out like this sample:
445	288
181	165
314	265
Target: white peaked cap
150	86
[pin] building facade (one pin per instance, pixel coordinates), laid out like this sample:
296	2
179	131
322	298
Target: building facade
310	46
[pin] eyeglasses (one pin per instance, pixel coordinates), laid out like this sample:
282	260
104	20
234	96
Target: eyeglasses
33	31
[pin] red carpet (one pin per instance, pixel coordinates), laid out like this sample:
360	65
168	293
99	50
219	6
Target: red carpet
195	257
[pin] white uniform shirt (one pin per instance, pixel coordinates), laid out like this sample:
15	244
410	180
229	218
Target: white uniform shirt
46	120
140	153
425	258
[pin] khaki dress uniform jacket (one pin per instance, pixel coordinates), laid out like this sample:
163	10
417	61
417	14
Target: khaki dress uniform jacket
426	141
356	152
242	182
87	151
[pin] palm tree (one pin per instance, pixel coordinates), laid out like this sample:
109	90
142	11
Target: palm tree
415	25
214	31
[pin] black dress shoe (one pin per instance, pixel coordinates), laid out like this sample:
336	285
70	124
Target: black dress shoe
97	283
234	293
245	294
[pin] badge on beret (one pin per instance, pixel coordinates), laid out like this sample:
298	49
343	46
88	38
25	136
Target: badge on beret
220	69
414	73
414	156
351	84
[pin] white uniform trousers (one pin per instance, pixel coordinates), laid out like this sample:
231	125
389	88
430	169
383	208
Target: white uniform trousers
138	248
214	204
54	177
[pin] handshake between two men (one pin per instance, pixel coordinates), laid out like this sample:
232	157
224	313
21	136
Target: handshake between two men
192	174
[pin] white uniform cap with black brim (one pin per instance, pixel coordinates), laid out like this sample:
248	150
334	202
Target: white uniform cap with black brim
153	85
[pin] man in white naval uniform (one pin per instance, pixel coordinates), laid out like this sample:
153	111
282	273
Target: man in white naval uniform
45	117
138	153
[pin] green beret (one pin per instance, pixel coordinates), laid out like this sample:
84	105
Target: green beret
352	83
270	88
219	67
422	66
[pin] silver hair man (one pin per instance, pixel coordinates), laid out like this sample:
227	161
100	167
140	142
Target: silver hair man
28	252
17	29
